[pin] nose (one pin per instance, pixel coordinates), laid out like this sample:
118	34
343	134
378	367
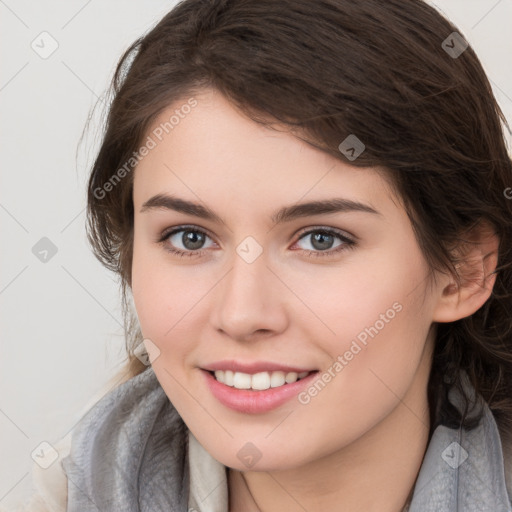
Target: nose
250	301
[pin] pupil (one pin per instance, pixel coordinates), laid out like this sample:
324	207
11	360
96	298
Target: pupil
192	238
317	241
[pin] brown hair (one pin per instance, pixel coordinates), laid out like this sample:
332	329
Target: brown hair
328	69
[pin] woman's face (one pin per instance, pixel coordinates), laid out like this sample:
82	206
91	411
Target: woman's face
340	292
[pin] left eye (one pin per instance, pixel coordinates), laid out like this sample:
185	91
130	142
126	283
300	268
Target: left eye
321	241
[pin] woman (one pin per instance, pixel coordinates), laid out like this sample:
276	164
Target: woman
307	203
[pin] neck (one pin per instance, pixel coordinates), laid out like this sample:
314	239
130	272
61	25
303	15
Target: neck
376	473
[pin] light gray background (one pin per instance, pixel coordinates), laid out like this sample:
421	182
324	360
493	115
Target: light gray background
61	334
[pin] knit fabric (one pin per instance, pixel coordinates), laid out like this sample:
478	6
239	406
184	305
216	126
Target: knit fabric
129	453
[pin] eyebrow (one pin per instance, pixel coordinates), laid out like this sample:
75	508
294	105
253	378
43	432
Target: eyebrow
285	214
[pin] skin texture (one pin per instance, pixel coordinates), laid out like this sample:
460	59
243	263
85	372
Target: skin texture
359	443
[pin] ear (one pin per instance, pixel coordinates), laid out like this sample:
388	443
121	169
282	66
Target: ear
479	258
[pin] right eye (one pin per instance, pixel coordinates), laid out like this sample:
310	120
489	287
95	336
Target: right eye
191	239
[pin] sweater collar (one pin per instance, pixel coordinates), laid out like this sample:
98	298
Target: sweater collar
463	470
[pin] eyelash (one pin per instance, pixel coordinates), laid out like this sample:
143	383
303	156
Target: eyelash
348	243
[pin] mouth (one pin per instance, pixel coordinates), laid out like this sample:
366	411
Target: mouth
256	393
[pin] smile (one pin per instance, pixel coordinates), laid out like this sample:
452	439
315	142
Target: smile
256	393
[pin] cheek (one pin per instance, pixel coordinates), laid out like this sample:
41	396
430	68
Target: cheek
355	304
373	363
160	305
167	299
379	320
155	292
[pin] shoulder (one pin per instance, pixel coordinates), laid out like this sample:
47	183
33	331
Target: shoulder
122	403
506	441
50	485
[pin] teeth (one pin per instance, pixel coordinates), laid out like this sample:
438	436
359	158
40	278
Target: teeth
258	381
228	377
277	379
291	377
242	380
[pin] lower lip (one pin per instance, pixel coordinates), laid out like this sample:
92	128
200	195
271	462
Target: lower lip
254	402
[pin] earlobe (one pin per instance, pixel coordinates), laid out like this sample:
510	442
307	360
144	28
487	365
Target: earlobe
477	274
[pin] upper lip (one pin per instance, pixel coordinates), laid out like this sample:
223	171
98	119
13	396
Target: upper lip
253	367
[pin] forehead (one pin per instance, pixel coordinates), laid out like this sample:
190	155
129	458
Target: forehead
213	151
